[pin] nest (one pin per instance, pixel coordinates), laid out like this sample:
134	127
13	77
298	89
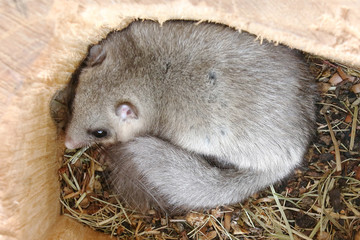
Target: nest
321	200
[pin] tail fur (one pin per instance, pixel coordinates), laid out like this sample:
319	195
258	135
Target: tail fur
150	172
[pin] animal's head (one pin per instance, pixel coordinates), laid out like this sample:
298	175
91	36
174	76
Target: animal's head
102	111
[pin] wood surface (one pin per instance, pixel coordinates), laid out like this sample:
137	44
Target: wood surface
43	41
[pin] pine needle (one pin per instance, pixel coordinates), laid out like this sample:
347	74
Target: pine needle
288	228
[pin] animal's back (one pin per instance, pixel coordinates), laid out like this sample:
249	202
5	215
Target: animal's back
221	93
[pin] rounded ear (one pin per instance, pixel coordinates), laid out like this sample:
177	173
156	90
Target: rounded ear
126	111
96	55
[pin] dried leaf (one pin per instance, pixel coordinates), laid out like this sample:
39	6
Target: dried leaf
355	88
302	190
341	73
120	230
227	220
184	236
335	199
97	185
357	172
85	203
239	230
98	168
326	157
307	202
195	219
324	87
348	118
326	139
62	170
351	78
323	236
335	79
217	213
67	190
357	235
211	235
304	221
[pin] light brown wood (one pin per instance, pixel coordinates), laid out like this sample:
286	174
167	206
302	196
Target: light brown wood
42	42
68	229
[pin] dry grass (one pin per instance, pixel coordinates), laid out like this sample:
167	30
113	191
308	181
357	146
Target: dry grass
320	201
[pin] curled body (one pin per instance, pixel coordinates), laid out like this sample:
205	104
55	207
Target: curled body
194	115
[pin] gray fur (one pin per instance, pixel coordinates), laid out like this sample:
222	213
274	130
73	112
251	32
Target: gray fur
218	115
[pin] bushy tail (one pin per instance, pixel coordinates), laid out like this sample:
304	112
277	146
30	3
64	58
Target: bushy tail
149	171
